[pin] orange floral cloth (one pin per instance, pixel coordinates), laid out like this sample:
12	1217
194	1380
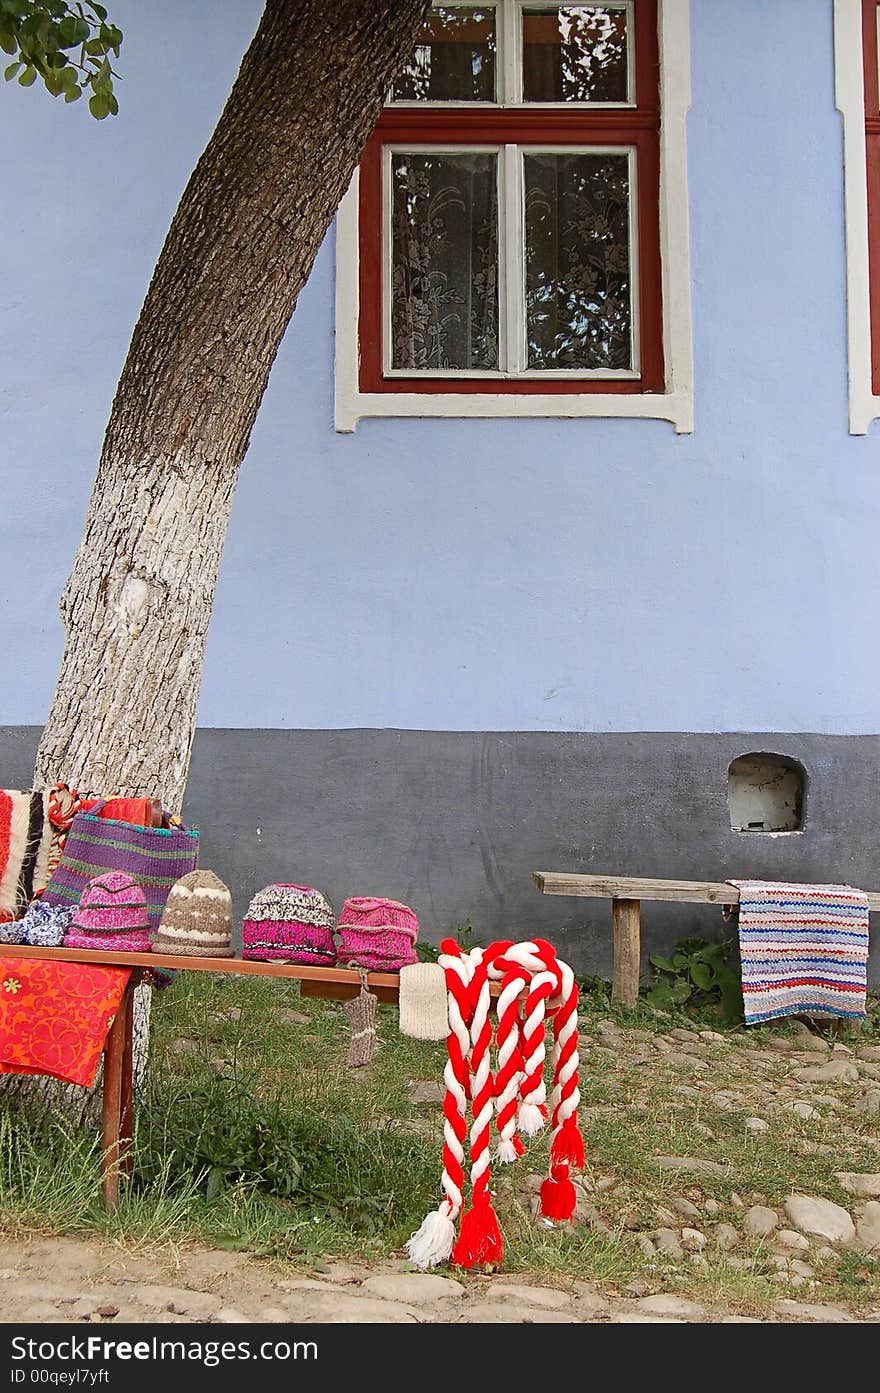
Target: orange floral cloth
54	1016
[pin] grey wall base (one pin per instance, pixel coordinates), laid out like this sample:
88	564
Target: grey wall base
454	823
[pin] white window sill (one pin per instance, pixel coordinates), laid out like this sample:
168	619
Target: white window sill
355	406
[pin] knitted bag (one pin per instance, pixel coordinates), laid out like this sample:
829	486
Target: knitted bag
377	934
155	856
111	916
289	923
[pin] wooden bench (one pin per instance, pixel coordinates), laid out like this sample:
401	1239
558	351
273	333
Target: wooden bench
626	894
117	1101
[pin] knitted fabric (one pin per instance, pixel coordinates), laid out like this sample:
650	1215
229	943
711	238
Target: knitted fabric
157	857
197	919
111	916
134	941
424	1010
289	923
25	841
361	1014
377	934
45	925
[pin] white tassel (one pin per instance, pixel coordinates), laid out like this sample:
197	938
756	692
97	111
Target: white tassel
507	1152
530	1120
434	1241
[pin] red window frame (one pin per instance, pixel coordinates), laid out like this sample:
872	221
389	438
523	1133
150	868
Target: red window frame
870	9
637	126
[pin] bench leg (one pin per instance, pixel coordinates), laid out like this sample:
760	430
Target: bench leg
126	1153
627	951
112	1103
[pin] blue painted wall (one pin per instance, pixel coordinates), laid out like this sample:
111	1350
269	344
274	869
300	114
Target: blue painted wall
498	575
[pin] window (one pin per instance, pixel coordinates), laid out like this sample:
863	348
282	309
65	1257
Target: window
505	248
858	99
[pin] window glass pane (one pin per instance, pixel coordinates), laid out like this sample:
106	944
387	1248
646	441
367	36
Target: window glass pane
454	57
578	286
444	255
574	53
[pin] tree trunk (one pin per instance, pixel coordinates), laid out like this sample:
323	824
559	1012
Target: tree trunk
138	601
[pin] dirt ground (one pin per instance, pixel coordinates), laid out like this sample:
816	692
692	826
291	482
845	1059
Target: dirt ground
52	1280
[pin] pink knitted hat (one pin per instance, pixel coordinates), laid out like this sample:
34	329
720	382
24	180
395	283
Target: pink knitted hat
289	923
377	933
112	914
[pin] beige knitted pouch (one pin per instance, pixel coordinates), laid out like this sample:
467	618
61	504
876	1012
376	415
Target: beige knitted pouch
424	1011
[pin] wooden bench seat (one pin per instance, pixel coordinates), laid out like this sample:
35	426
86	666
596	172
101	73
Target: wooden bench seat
626	894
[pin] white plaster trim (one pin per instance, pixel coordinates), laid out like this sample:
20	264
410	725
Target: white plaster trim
849	87
675	404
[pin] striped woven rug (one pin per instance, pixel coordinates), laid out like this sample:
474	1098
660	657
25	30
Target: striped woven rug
804	948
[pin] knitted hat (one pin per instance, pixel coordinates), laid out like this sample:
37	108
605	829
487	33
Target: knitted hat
111	914
289	923
377	934
197	918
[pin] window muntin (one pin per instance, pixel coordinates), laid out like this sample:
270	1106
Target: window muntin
578	293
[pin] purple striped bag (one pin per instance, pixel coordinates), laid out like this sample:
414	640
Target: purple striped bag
155	856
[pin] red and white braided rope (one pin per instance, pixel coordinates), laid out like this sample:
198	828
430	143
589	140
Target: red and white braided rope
534	984
566	1097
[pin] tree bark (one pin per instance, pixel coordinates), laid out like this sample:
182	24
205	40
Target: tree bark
239	250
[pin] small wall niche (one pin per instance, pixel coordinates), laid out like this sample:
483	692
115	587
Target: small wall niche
766	793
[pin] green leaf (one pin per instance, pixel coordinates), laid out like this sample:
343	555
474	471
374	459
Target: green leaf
72	94
9	73
659	994
680	991
28	77
98	10
664	964
99	105
701	976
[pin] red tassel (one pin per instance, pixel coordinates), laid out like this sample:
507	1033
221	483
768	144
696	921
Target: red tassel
568	1145
558	1195
518	1146
479	1241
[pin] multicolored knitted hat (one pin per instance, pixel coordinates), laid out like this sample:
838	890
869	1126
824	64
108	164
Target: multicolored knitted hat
377	934
111	915
289	923
197	918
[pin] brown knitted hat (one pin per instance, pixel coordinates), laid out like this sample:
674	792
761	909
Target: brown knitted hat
197	918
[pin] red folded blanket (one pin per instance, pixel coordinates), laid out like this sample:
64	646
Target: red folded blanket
54	1016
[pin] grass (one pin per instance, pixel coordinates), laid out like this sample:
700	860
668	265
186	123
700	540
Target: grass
255	1136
